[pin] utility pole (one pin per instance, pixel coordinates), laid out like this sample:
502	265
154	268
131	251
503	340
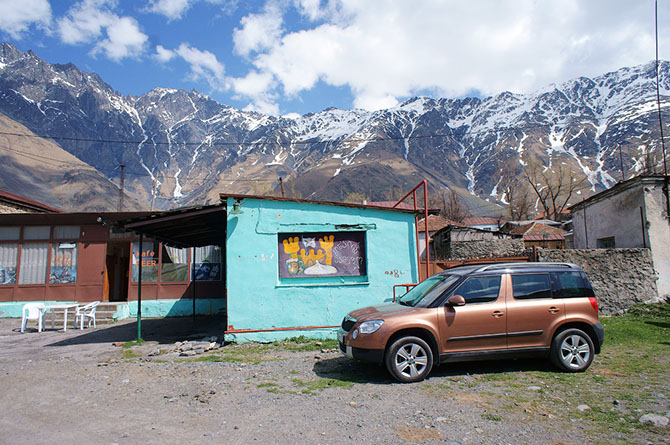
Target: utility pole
123	185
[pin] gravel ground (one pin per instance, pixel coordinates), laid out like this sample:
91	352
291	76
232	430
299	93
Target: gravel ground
58	387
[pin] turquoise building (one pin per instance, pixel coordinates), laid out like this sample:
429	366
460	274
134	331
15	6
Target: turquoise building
296	267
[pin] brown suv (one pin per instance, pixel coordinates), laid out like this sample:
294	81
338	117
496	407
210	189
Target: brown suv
480	312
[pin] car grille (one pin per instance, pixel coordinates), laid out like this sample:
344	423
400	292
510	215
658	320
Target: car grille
348	323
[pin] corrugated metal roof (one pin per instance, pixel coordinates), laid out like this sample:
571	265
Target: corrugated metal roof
482	220
539	232
22	201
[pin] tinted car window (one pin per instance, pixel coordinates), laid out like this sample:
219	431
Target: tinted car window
569	285
528	286
480	289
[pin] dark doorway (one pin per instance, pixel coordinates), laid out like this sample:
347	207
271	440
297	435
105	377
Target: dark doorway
117	264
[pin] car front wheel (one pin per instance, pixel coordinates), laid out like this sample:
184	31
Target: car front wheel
409	359
572	350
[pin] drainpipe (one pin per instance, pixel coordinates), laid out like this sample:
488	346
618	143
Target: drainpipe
644	239
586	232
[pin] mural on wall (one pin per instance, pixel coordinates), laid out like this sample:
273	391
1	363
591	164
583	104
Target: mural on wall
336	254
7	275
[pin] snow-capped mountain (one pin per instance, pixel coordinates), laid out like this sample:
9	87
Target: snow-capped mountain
182	147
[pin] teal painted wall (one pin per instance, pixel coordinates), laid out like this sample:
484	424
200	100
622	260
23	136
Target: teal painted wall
259	299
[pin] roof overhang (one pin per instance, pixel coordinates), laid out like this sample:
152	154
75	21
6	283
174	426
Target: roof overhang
188	227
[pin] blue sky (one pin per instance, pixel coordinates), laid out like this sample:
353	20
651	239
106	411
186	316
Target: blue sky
300	56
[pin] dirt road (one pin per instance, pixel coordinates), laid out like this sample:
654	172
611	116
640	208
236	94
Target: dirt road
76	387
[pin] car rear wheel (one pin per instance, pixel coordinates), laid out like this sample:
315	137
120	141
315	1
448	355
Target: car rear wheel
572	350
409	359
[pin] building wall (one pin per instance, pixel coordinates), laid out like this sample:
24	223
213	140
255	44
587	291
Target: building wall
257	298
658	233
461	250
621	216
618	217
620	277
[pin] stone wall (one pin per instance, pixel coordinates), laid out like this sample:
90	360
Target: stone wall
620	277
461	250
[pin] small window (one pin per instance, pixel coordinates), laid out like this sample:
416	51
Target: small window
9	233
570	285
8	255
149	258
66	232
36	232
174	265
606	243
531	286
63	263
480	289
208	263
33	268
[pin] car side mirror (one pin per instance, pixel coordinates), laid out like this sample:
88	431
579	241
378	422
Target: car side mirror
456	300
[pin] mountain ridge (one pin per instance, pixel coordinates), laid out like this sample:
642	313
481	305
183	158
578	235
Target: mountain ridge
182	147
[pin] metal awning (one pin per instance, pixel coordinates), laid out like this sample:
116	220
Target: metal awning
186	227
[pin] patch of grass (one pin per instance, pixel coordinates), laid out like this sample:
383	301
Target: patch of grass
491	417
128	354
311	386
266	385
215	358
303	343
131	343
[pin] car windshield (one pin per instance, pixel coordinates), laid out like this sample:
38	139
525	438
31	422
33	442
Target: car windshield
425	292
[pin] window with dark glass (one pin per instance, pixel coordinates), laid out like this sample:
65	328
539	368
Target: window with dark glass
480	289
207	263
570	285
149	259
174	264
530	286
605	243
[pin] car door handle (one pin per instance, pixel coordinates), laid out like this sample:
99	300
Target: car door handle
554	310
497	314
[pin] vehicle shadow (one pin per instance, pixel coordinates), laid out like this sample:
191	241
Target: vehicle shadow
347	370
161	330
660	324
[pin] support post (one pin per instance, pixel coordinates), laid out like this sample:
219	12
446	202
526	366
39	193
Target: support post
193	283
139	290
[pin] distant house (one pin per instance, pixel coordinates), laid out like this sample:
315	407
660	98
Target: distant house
484	223
435	223
632	214
541	235
12	203
456	242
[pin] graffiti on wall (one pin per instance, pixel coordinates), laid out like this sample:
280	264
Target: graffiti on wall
335	254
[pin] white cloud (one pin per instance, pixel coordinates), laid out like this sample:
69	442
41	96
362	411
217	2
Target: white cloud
163	55
94	22
259	31
172	9
124	39
204	65
390	49
16	17
176	9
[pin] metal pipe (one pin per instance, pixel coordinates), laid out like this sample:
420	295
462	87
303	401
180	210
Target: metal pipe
193	283
139	290
644	240
425	220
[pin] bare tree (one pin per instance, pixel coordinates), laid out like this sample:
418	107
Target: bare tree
553	186
450	204
515	190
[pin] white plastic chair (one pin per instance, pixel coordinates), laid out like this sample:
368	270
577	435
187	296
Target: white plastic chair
33	311
86	312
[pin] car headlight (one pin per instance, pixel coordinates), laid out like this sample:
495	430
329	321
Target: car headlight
368	327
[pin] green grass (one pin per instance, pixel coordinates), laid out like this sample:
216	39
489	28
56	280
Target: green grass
311	386
128	354
131	343
632	369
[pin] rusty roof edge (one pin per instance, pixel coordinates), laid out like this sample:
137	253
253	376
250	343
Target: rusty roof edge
223	196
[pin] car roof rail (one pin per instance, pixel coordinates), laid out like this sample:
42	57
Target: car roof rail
498	266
